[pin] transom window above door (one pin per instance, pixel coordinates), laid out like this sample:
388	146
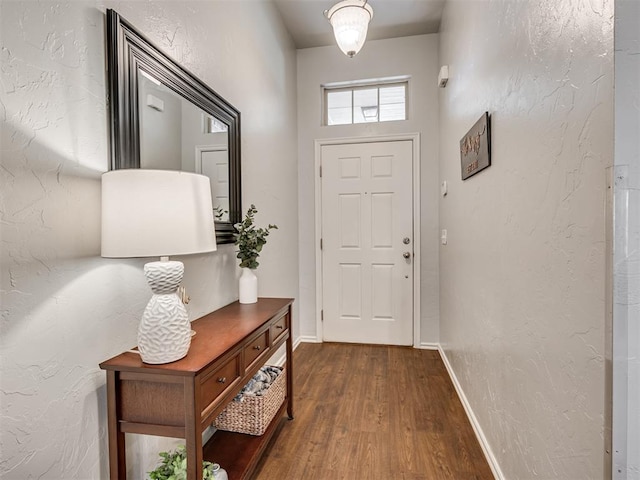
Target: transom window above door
363	103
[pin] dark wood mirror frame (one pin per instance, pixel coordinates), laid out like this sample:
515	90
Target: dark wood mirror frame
129	51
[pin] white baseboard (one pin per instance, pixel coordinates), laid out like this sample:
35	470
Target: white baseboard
281	359
308	339
486	448
428	346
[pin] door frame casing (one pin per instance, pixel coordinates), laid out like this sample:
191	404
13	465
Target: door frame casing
215	147
318	144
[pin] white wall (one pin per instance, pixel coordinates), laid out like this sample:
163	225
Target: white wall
160	144
414	56
64	309
626	244
522	277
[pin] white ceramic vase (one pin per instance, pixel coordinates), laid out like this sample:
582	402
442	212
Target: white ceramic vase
248	286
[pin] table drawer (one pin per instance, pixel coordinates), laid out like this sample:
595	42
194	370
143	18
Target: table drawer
217	382
256	348
278	329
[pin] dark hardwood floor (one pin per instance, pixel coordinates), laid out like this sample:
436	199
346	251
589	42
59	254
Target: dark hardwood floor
365	412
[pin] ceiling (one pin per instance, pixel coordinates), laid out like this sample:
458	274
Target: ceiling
391	18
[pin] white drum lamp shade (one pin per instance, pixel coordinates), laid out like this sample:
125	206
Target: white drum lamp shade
350	21
157	213
154	213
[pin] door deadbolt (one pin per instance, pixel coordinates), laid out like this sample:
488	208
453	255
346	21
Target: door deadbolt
406	240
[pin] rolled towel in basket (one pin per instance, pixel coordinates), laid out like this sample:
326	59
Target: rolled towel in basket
259	383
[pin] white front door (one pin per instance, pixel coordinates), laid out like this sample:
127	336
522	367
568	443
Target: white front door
367	242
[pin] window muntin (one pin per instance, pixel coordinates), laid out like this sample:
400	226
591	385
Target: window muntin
364	104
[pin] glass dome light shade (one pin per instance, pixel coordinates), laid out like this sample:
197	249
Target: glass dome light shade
350	21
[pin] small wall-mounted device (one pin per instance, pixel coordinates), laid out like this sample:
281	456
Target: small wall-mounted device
155	103
213	125
443	76
444	188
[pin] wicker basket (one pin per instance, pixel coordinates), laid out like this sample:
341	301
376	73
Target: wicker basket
254	414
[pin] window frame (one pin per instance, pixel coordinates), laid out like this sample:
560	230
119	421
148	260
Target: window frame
363	85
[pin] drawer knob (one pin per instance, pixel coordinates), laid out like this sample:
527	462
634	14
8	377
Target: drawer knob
222	380
257	347
280	327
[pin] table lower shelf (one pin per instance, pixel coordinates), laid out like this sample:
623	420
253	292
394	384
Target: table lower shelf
239	453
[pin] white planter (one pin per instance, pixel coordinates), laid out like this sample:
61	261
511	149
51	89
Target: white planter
248	286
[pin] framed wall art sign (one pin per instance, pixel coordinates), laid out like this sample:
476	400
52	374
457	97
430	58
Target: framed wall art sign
475	148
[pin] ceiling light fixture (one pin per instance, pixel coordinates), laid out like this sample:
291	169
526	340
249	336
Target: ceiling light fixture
350	21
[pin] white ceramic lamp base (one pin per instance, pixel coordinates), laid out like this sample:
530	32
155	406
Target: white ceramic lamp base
248	285
164	334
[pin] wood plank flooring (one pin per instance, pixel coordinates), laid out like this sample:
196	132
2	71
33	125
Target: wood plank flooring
367	412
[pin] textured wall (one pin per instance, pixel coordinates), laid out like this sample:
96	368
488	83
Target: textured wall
415	56
626	243
64	309
522	277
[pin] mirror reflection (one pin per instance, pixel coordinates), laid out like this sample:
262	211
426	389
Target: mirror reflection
167	118
175	134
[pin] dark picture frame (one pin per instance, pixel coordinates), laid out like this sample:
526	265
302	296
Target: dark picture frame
475	147
129	51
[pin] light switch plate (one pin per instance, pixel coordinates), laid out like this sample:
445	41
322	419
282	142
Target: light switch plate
443	188
443	236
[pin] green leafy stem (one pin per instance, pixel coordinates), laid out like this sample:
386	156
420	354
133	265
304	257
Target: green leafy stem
250	239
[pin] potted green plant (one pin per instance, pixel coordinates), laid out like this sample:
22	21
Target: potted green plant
250	239
174	467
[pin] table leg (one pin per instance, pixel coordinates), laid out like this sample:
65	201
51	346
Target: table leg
193	435
117	458
290	368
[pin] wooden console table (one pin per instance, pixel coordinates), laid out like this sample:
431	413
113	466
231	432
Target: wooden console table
182	398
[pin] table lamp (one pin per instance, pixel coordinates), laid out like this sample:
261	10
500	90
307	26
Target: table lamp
157	213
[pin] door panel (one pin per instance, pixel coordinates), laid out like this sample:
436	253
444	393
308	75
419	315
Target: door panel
367	211
213	162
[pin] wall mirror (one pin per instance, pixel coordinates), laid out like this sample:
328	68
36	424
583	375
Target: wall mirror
164	117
